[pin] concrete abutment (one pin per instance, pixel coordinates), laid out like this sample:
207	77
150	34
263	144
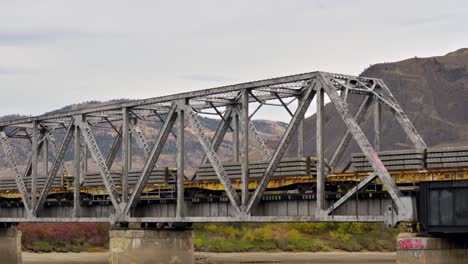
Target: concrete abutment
165	246
10	245
414	249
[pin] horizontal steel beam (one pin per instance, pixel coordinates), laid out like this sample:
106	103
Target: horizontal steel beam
201	219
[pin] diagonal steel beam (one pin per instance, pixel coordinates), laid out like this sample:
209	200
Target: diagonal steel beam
28	170
220	114
346	138
377	125
364	144
259	142
389	100
220	132
96	154
283	104
163	120
236	124
141	140
114	149
55	168
18	177
152	159
350	193
55	150
283	145
212	156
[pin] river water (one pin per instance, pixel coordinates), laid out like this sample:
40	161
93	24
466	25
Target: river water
225	258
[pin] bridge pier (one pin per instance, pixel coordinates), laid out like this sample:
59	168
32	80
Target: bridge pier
10	245
159	246
414	248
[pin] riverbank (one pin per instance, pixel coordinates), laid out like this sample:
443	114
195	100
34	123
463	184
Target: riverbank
269	237
226	258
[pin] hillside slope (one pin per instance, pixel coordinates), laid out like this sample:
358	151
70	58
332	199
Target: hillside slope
432	91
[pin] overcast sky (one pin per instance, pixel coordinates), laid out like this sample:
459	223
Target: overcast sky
55	53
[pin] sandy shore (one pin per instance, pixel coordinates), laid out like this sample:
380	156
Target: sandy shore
69	258
245	257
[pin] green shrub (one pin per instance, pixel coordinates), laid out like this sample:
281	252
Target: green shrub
41	246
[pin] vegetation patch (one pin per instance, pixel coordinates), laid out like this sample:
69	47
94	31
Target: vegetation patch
65	237
309	237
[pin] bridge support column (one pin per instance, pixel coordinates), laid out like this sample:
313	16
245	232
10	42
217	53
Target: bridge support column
151	246
413	248
10	245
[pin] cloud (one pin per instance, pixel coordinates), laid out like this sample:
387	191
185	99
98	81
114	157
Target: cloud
34	37
205	78
427	20
11	71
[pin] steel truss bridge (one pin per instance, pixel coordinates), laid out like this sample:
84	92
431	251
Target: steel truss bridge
126	197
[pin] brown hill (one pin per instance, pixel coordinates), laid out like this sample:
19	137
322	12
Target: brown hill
432	91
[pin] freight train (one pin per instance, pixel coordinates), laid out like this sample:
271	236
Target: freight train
294	176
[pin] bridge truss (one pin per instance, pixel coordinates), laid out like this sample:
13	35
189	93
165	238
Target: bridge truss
233	106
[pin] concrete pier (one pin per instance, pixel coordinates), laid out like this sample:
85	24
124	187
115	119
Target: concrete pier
142	246
413	248
10	246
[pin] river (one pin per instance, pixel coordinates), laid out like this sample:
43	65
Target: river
225	258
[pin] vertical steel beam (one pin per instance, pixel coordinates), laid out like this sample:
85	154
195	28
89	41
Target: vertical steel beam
76	172
130	145
282	147
235	136
116	144
35	157
152	159
180	162
28	170
45	155
377	125
125	152
321	177
245	120
85	159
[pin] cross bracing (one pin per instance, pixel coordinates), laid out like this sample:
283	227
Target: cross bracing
232	106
